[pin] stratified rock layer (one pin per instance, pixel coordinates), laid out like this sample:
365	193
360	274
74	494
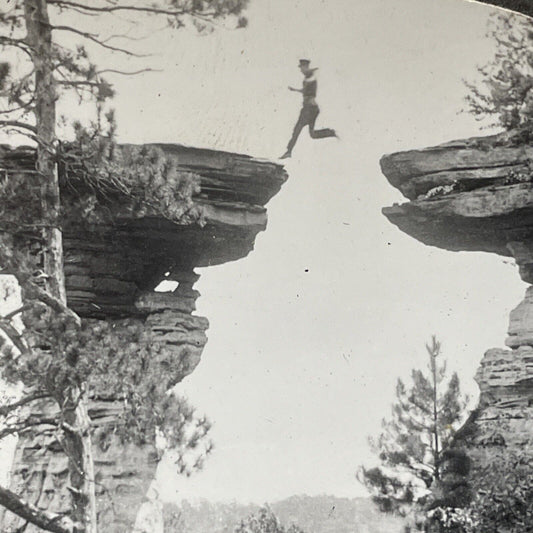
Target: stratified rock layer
473	195
477	194
111	271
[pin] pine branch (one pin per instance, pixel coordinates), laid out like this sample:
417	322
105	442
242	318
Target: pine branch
411	401
416	424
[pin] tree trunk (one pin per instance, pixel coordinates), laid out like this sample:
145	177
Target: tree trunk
43	519
77	439
436	451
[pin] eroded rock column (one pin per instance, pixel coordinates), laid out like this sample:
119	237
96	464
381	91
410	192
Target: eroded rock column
505	379
124	471
477	195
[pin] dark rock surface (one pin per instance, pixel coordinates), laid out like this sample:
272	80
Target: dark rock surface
473	195
111	271
107	264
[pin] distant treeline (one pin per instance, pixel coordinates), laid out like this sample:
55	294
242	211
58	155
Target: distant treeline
313	514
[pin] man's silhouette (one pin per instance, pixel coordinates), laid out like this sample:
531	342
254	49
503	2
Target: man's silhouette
310	109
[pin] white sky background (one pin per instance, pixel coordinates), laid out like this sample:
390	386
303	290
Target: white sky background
310	332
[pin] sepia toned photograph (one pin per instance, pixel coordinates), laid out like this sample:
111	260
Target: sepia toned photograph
265	266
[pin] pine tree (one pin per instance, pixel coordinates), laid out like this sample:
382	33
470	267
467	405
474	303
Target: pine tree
35	73
424	418
505	92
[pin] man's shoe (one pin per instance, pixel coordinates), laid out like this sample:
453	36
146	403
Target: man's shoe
286	155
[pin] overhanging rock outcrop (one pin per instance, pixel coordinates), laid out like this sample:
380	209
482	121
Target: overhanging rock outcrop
112	268
473	195
477	195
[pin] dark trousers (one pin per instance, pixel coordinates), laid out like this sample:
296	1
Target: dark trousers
307	117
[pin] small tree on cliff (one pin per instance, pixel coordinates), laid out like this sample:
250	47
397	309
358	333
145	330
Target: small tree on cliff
424	417
35	73
505	93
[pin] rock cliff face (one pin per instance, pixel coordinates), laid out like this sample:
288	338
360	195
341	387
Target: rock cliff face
477	194
111	272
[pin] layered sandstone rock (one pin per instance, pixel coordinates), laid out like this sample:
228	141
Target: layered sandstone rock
111	270
477	194
470	195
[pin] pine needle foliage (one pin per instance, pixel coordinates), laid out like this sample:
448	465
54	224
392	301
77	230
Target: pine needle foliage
504	93
44	345
100	177
424	417
131	369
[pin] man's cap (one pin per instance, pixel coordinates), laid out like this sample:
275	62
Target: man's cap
304	62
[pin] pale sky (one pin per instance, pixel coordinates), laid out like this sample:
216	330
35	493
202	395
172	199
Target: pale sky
310	332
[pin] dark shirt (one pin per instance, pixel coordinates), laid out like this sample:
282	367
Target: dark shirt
309	89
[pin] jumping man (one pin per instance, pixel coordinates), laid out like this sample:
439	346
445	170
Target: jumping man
310	109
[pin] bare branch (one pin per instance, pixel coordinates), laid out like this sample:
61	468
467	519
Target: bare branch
25	425
10	263
17	124
26	108
6	409
14	336
109	9
122	36
78	83
51	301
132	73
81	12
32	137
17	43
46	520
9	316
94	39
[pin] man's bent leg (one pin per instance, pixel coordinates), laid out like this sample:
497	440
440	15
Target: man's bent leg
322	133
